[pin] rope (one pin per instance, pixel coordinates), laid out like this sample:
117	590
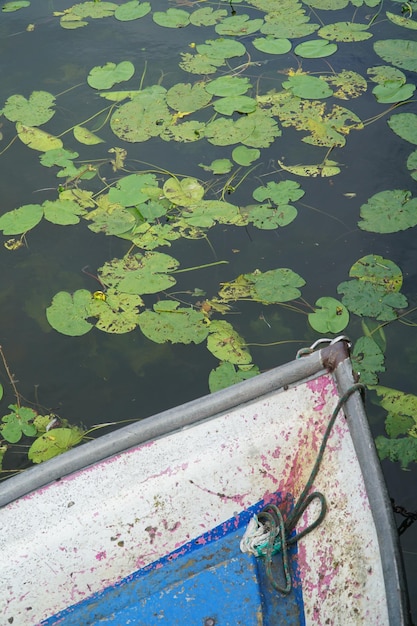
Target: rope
268	532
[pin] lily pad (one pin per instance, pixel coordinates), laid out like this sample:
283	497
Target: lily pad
227	86
226	344
139	274
274	286
270	45
399	52
245	156
267	217
412	164
325	169
400	20
53	443
221	48
132	10
133	189
374	269
315	49
68	313
232	104
105	76
329	316
183	192
10	7
169	322
393	91
405	126
309	87
369	300
85	136
368	360
218	166
345	31
19	221
280	193
117	313
34	111
61	211
172	18
389	212
403	450
227	374
187	98
18	423
37	139
147	115
207	16
238	25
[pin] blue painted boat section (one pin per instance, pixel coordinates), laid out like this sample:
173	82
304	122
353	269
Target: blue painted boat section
207	582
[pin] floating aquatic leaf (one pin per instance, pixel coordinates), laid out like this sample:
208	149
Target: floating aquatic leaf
367	359
207	212
133	189
227	374
267	217
207	16
218	166
310	87
62	212
10	7
18	423
19	221
119	96
95	10
405	126
110	218
139	274
145	116
403	450
327	5
172	18
264	129
412	164
228	86
226	344
274	286
239	104
349	84
400	20
68	313
185	97
245	156
315	49
288	20
59	156
325	129
151	236
105	76
370	299
330	316
183	192
398	405
383	73
399	52
325	169
37	139
393	91
389	211
375	269
221	48
117	313
200	63
132	10
185	132
85	136
238	25
280	193
34	111
53	443
169	322
270	45
71	22
345	31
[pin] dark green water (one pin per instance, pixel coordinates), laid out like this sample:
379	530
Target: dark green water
100	377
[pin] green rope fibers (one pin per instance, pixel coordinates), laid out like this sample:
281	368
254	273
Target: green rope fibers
280	530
